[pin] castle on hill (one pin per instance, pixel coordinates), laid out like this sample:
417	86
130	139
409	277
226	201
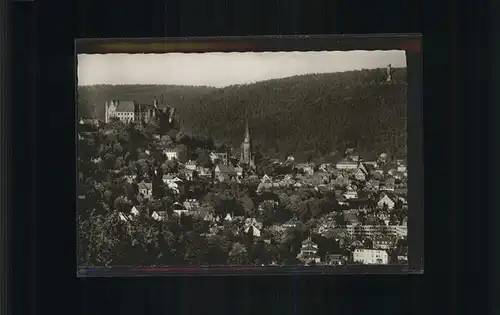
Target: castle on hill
131	111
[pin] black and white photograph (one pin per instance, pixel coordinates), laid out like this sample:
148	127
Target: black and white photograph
242	159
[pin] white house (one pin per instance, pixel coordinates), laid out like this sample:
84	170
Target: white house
371	256
386	200
252	222
146	189
346	165
266	179
256	230
191	204
400	230
228	218
179	212
170	179
122	217
325	167
309	252
190	165
292	223
221	156
359	174
383	243
159	215
336	259
350	193
134	211
171	154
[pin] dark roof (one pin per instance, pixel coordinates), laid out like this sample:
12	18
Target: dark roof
323	188
308	248
144	185
391	196
226	169
308	241
350	217
347	162
368	166
125	106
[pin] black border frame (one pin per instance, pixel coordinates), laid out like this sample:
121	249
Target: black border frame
5	159
411	43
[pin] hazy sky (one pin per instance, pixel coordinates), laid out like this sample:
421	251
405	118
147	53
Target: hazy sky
223	69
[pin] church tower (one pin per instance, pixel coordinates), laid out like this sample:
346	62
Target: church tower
246	149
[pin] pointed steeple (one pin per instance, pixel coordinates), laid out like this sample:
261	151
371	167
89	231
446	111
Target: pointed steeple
247	133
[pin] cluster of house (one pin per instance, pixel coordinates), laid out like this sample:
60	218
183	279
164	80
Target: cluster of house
309	254
358	185
349	179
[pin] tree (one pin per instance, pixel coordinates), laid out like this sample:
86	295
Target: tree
122	204
294	205
238	255
115	124
249	237
340	220
182	153
368	243
194	253
361	216
305	214
173	134
393	219
200	226
101	240
317	207
248	206
398	205
203	159
217	250
144	238
152	127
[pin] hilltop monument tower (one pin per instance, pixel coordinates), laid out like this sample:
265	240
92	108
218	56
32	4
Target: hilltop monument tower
246	149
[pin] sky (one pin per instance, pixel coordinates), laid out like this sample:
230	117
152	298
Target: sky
223	69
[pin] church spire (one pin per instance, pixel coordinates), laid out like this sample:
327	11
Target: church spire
247	133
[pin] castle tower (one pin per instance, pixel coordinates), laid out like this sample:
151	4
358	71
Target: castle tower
106	105
109	110
389	73
246	149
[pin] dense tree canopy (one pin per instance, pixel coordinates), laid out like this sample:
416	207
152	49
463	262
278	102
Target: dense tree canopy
354	109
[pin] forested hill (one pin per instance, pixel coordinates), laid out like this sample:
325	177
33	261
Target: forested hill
306	115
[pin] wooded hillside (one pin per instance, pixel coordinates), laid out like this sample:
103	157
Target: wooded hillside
309	115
